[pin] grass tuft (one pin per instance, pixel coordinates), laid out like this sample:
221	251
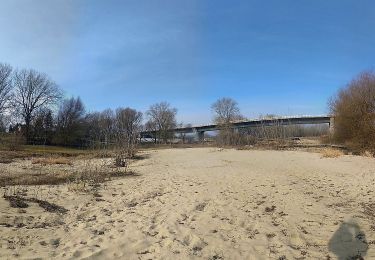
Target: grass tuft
331	153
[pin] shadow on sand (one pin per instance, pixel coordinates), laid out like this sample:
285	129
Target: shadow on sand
348	242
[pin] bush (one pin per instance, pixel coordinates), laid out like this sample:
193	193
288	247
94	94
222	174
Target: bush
121	160
331	153
354	111
12	141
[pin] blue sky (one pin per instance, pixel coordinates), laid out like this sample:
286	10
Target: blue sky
281	57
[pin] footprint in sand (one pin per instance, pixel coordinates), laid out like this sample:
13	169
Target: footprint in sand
201	206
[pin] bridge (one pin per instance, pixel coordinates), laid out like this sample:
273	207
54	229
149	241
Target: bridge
277	121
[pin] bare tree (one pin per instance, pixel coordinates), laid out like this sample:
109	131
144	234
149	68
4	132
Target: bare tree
150	126
5	87
70	119
93	130
128	127
163	118
100	128
107	125
42	127
225	111
32	91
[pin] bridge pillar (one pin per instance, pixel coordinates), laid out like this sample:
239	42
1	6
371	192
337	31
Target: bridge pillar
332	125
200	136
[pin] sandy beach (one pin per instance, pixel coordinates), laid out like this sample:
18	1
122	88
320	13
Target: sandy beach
204	203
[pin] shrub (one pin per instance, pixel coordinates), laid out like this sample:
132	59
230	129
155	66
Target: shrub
12	141
354	111
121	160
331	153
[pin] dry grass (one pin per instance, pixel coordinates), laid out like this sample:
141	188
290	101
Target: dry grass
368	154
51	167
27	151
11	155
52	161
77	186
5	160
9	179
53	150
85	177
331	153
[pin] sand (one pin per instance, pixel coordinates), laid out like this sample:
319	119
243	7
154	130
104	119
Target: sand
206	203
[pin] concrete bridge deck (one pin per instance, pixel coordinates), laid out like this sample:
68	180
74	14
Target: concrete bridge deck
287	120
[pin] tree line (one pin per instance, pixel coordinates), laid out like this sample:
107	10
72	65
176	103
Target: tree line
34	106
352	107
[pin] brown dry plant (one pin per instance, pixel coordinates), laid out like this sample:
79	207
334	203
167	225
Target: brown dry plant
331	153
354	111
52	161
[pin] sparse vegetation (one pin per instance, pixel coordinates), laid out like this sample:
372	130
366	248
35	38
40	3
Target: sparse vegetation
94	175
6	160
331	153
51	161
47	169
